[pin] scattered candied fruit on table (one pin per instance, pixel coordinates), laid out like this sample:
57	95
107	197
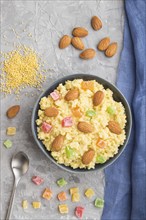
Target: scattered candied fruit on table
55	96
75	197
7	143
11	131
100	143
63	208
37	180
24	204
85	85
36	205
47	194
46	128
89	193
62	196
67	122
77	112
99	203
61	182
73	190
79	210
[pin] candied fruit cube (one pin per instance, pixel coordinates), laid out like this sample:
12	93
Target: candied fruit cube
67	122
11	131
61	182
77	112
75	197
47	194
63	208
101	143
89	193
74	190
7	143
100	159
99	203
24	204
90	113
37	180
79	210
46	128
87	85
69	152
54	95
36	205
62	196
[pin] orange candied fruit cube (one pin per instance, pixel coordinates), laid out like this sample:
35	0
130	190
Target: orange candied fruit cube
77	112
87	85
101	143
62	196
47	194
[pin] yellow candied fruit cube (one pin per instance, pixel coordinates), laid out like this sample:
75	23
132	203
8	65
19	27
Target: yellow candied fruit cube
89	193
11	131
36	205
63	208
47	194
24	204
74	190
75	197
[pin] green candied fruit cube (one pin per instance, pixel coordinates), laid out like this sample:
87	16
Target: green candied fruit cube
99	203
61	182
100	159
90	113
111	110
8	143
69	152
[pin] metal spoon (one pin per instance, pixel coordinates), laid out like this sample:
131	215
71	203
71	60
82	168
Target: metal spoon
19	165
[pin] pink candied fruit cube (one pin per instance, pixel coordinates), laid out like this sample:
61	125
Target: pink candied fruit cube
46	127
67	122
79	211
54	95
37	180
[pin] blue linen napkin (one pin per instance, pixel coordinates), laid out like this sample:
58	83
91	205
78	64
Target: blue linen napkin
125	189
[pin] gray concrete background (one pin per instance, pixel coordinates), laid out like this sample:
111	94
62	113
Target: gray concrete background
47	21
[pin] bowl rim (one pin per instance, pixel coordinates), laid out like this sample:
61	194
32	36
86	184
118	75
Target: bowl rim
63	80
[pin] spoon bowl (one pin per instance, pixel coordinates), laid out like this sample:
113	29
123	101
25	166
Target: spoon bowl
19	165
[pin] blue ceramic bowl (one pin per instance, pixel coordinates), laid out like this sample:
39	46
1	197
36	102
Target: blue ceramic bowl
117	95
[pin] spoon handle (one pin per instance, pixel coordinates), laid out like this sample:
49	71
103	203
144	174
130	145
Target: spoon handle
8	216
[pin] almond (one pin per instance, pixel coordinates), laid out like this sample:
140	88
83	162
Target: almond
88	54
51	112
64	41
77	43
85	127
13	111
97	98
96	23
88	156
79	32
114	127
72	95
57	143
103	44
111	50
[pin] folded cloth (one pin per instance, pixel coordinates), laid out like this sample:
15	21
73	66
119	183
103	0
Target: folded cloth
125	189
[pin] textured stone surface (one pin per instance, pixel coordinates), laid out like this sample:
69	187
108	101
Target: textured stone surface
47	21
